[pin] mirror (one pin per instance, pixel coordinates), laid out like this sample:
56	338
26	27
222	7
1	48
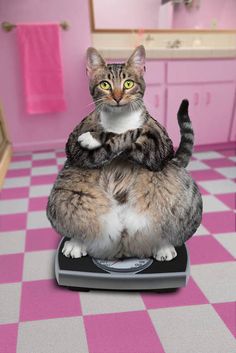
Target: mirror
152	15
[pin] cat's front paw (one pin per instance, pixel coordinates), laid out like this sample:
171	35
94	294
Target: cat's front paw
86	140
72	248
165	253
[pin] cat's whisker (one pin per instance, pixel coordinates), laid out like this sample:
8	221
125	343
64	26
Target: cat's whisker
94	102
97	100
132	105
99	107
139	103
135	104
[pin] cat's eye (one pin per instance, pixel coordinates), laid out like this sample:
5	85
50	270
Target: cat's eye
128	84
105	85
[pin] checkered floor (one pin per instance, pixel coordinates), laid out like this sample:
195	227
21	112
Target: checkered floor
36	316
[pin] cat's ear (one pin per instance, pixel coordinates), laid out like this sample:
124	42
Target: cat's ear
94	61
137	59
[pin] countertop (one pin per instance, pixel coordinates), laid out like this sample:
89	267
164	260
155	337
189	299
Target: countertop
171	53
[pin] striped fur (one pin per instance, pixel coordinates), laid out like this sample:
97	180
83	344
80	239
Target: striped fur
112	145
185	150
122	192
148	146
151	149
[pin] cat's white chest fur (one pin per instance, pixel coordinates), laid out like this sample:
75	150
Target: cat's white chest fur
121	122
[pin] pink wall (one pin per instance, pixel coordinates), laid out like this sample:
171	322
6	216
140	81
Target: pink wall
223	11
36	132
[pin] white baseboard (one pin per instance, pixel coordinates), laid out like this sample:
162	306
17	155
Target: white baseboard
39	146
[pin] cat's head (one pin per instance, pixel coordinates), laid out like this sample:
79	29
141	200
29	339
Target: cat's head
116	87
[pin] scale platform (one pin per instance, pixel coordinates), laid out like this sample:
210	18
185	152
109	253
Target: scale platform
87	273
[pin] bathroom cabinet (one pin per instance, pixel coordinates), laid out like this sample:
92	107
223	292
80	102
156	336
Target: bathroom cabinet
233	128
210	87
202	70
210	109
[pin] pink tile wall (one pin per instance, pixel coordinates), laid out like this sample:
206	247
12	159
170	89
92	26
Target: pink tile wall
29	132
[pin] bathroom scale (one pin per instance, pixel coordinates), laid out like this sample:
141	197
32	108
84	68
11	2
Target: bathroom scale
131	273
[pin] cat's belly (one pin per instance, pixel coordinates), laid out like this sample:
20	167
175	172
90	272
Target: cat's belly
123	218
128	224
120	225
117	178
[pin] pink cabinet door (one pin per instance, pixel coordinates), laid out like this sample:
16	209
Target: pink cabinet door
154	100
216	108
210	111
175	95
233	129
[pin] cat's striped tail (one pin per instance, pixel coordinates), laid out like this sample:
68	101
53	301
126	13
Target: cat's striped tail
185	149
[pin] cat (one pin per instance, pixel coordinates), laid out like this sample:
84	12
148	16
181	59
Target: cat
123	190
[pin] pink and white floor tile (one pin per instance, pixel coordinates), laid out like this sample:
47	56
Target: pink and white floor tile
36	316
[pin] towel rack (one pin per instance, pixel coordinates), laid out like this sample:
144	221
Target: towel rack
7	26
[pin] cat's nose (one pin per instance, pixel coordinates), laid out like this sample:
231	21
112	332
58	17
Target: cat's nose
117	99
117	95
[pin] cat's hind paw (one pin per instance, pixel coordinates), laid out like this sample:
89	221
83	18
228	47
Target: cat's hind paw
165	253
72	248
86	140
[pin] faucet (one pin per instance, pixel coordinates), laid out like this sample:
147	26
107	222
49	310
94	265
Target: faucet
149	38
174	44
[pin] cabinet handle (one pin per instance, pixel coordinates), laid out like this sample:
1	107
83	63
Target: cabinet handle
157	101
196	98
208	98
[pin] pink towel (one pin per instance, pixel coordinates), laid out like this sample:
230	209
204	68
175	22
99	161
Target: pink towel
42	69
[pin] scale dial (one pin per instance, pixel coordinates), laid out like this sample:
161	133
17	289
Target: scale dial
127	265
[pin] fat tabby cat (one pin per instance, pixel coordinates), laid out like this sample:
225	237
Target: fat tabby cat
123	190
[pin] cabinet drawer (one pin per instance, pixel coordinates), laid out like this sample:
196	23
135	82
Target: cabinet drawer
201	71
155	72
